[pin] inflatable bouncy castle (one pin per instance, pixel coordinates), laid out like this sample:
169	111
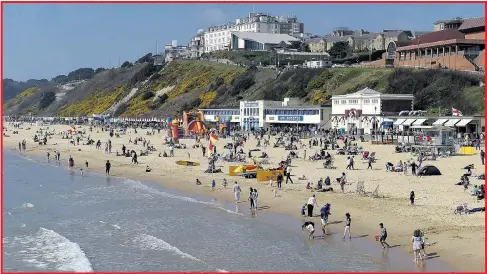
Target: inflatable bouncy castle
193	122
173	129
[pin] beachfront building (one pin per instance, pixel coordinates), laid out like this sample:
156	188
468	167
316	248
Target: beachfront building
454	49
272	114
474	124
259	41
290	112
367	109
216	115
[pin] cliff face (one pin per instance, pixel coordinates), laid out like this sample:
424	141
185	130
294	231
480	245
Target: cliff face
147	90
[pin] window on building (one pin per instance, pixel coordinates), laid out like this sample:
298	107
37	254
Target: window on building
375	101
344	102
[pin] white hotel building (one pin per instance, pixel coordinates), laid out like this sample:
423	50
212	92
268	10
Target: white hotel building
265	114
359	110
219	37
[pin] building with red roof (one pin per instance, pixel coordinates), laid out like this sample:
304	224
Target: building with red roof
455	49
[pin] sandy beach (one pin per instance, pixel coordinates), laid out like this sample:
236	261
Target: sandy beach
458	240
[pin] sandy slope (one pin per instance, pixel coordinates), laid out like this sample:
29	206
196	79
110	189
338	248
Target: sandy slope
458	240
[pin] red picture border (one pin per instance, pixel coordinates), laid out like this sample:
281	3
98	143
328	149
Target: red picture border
198	2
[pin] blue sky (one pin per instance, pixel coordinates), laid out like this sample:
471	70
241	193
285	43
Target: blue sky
45	40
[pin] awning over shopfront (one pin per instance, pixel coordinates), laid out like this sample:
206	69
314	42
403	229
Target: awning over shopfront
399	121
463	122
408	122
439	122
451	122
419	122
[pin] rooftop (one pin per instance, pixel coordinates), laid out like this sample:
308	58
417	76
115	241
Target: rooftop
442	43
265	38
437	36
450	21
370	92
472	23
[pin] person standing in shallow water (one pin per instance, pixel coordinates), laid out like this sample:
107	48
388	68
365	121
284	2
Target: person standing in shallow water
383	236
107	168
348	222
236	191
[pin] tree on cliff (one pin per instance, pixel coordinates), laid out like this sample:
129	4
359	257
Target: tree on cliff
339	50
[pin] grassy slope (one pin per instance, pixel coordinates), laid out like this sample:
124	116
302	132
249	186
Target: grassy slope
200	84
195	85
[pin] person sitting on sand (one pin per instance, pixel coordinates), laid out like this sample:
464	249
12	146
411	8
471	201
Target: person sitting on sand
303	209
147	169
198	182
302	178
319	185
389	166
308	186
327	181
164	154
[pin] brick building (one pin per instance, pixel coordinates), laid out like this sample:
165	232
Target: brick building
455	49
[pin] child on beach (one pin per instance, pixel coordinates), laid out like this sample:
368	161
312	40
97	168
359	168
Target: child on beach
303	209
225	184
311	228
81	172
383	236
348	222
213	184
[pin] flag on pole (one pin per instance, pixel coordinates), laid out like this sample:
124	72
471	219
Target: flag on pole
211	143
456	112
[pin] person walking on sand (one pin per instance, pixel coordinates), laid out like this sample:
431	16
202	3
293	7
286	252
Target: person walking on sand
405	168
48	157
370	163
411	197
107	168
482	156
256	196
348	222
311	204
383	236
236	191
288	175
251	198
413	168
213	184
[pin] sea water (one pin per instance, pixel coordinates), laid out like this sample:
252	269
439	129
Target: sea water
57	220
